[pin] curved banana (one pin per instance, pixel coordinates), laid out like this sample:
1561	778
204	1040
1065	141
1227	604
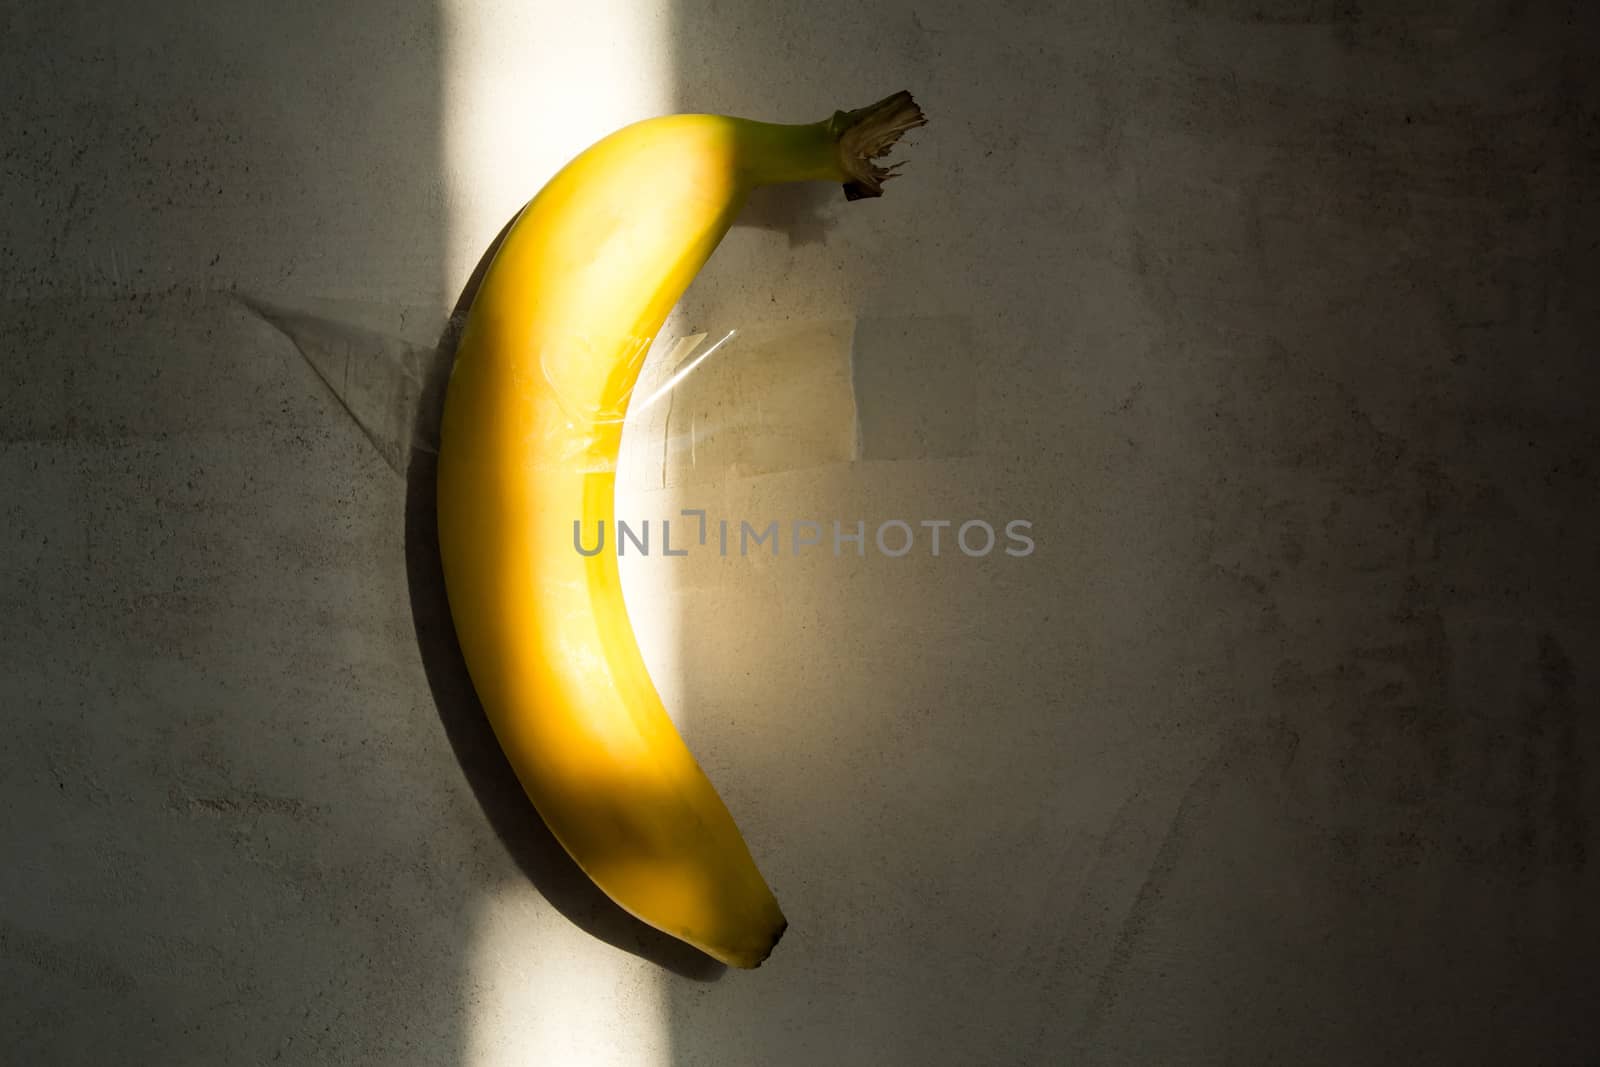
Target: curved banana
532	426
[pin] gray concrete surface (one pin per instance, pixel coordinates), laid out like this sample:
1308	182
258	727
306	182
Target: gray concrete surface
1281	748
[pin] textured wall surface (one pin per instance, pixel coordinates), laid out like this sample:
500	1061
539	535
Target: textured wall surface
1276	319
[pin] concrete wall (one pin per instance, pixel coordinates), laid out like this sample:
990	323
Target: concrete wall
1274	319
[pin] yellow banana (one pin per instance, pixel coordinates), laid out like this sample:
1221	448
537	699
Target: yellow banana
532	425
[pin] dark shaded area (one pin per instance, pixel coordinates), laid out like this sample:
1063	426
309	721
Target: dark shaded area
1286	329
504	803
232	831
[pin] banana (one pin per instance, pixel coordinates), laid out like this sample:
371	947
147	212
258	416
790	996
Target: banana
532	426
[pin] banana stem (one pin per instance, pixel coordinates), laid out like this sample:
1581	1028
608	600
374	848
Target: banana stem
843	148
868	134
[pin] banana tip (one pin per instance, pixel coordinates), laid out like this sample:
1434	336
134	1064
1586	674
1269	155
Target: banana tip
750	960
777	935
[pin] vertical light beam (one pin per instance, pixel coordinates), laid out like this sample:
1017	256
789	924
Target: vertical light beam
528	86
